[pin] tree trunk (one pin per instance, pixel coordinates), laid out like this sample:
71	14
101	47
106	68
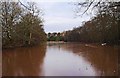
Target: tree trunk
30	39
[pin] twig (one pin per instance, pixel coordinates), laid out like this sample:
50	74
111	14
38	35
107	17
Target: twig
88	7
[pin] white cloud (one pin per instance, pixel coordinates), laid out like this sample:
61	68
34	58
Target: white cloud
52	0
60	20
59	16
60	24
9	0
65	0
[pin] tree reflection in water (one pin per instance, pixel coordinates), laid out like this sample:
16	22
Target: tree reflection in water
103	58
61	59
23	61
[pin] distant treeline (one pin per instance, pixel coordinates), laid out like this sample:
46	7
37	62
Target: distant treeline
21	24
103	28
55	36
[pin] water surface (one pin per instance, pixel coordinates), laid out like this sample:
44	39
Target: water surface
61	59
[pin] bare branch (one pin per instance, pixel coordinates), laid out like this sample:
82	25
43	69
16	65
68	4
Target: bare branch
24	5
96	4
88	7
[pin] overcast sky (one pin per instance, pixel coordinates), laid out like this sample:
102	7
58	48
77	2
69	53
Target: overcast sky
59	15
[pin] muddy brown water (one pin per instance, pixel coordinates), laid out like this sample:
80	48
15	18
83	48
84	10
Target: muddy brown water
61	59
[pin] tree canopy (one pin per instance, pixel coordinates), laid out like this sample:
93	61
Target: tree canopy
104	27
20	26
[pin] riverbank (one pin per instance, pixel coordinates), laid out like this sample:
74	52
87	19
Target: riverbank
99	43
56	42
20	46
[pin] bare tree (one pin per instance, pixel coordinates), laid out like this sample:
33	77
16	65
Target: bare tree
10	15
91	5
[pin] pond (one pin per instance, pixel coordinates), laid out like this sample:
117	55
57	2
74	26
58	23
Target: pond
61	59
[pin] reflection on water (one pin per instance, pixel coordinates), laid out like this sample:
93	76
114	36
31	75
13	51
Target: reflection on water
23	61
61	59
104	59
0	62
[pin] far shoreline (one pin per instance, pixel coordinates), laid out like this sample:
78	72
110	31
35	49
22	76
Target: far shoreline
60	42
